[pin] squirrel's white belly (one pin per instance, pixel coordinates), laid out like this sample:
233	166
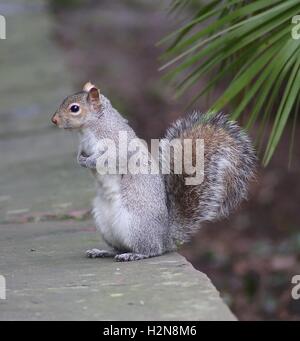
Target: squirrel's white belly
111	217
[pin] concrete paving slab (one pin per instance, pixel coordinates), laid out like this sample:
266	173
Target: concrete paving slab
40	173
49	278
38	164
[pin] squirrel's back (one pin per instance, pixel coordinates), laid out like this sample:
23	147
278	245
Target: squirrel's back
229	165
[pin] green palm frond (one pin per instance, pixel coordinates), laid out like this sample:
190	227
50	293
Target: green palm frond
248	42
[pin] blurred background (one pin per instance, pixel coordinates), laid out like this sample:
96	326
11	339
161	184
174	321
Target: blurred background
52	48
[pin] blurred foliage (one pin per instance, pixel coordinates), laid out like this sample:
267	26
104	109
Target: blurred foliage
249	43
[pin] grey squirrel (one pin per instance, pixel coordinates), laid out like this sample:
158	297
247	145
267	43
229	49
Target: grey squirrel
141	216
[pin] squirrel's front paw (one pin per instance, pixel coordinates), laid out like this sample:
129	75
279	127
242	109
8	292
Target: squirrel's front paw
91	162
87	161
82	160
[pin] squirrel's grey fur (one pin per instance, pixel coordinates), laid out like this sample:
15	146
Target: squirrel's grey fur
141	216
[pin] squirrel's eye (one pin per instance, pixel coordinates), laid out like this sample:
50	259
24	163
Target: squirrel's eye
74	108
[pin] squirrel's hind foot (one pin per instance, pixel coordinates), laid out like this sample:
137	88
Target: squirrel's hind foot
122	257
128	257
95	253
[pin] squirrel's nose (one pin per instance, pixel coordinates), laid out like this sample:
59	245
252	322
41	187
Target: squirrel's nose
54	120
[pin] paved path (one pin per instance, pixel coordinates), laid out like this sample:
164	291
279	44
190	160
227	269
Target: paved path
37	166
47	274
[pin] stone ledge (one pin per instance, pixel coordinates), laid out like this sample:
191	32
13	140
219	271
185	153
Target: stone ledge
49	278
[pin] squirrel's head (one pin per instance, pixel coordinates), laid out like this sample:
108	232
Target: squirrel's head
76	109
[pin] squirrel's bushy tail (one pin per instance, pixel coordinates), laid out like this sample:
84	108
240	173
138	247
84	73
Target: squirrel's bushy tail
229	165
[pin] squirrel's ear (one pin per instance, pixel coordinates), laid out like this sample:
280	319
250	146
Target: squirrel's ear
94	98
88	86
